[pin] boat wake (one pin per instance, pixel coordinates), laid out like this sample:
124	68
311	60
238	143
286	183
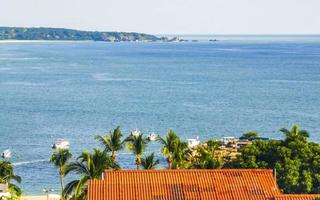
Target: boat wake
29	162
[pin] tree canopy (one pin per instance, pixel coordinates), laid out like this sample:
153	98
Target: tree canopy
296	161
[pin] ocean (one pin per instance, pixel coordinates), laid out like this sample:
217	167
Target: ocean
76	90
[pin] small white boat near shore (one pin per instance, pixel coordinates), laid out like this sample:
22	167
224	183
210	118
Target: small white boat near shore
61	144
135	133
6	154
193	142
152	136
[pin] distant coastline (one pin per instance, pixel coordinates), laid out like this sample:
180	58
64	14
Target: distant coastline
41	41
25	34
62	34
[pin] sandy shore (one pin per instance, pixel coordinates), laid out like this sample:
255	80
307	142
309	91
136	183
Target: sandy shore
38	198
34	198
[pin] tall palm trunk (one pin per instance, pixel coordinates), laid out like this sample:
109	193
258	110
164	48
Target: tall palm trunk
61	183
169	159
138	162
113	156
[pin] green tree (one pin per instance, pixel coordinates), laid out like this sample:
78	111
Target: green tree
204	158
149	162
137	145
296	160
170	144
60	158
250	135
112	142
179	155
89	166
7	176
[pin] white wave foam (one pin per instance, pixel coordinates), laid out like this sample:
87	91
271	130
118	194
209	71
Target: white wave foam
293	81
21	83
105	77
28	162
229	49
4	68
19	59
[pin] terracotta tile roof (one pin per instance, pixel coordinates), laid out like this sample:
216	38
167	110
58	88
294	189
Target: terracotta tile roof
184	185
297	197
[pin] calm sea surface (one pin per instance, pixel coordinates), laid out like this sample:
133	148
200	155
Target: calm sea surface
75	90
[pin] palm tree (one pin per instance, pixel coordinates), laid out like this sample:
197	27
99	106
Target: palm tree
148	162
89	166
179	155
60	158
137	145
112	142
295	133
7	176
205	159
170	143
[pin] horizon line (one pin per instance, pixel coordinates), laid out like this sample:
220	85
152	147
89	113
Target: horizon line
175	34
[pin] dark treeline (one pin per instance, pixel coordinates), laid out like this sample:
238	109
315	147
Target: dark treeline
17	33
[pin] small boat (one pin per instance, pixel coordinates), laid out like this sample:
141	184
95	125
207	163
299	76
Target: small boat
194	142
6	154
135	133
152	137
61	144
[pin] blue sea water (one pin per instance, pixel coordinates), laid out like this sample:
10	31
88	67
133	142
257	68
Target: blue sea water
76	90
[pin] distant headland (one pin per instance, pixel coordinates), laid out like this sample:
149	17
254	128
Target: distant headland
20	33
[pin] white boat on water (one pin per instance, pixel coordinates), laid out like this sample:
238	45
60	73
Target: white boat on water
135	133
152	136
6	154
193	142
61	144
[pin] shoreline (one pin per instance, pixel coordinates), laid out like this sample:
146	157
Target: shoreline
40	197
41	41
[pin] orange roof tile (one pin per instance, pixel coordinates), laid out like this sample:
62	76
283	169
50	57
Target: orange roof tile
184	184
297	197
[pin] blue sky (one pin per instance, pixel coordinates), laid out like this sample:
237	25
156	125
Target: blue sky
168	16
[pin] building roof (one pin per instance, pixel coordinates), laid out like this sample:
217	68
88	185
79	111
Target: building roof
185	184
297	197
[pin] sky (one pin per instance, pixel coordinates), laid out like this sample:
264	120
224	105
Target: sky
167	16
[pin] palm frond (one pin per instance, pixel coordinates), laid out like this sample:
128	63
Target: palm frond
69	188
149	162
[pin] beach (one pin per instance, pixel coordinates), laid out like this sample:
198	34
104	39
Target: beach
34	198
39	198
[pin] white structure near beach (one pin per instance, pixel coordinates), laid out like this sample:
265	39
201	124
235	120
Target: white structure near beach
4	193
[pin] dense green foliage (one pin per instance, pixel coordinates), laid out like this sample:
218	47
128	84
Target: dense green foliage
89	165
7	176
250	135
296	161
137	145
149	162
14	33
112	142
173	148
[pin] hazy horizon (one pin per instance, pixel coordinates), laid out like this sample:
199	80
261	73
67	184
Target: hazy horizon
176	34
208	17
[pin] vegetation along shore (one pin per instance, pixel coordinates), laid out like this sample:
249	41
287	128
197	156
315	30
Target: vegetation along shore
295	160
19	33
